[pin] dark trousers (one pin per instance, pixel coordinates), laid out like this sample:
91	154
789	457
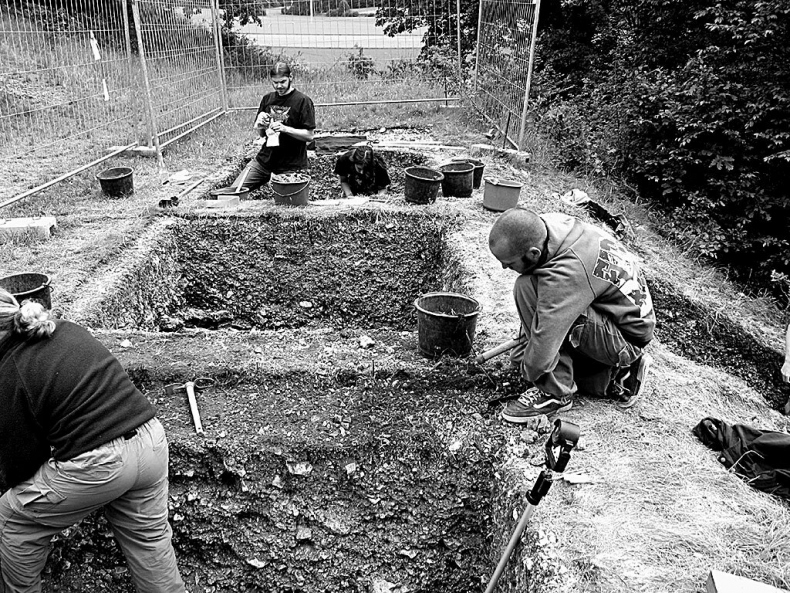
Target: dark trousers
256	175
591	353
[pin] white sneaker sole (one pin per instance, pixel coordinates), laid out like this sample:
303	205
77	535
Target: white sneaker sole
643	376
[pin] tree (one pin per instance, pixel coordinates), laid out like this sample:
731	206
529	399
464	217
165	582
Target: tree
691	102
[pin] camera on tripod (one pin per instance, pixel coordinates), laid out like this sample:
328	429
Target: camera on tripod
559	445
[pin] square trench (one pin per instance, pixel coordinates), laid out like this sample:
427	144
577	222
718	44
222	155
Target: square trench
325	466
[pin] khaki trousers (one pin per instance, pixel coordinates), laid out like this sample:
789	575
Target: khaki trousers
128	477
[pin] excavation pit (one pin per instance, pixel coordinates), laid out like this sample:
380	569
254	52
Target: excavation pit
279	270
349	482
275	272
711	338
325	185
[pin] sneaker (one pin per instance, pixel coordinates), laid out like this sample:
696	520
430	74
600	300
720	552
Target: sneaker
630	382
534	402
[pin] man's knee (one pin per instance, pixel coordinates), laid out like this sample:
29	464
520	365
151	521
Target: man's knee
254	176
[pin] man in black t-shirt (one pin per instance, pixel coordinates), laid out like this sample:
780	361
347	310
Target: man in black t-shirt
286	118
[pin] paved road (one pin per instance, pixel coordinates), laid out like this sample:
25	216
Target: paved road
325	39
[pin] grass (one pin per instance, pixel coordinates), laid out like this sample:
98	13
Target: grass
663	511
53	116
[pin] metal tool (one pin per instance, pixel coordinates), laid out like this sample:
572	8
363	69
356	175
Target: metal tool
190	387
562	440
243	178
173	200
502	348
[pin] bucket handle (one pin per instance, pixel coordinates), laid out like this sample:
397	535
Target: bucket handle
276	193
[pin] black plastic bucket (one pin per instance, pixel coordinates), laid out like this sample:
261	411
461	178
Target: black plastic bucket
116	182
446	323
458	179
477	178
30	286
422	184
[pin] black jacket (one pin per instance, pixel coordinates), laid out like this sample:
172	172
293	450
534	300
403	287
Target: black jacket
761	457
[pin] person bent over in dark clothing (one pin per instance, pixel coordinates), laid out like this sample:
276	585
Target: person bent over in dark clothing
361	172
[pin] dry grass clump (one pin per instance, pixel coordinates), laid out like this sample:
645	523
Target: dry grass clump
662	511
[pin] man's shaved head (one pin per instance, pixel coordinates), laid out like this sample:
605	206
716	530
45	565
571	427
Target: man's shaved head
517	238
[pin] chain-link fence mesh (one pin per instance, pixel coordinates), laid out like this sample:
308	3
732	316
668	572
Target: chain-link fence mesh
72	86
504	61
342	51
79	78
182	62
67	87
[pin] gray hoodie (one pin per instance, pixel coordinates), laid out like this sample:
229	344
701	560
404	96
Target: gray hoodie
585	266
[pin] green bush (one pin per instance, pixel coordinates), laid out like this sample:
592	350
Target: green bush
690	102
360	65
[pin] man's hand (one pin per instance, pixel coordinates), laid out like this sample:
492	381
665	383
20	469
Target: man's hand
278	126
786	371
263	120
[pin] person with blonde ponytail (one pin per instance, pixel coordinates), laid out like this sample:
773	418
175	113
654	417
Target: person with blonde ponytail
76	436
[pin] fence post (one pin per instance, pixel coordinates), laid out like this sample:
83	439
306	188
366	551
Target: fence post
149	100
529	76
133	75
477	48
458	34
223	85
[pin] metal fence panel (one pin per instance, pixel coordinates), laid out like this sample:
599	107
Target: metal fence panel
79	78
66	87
342	51
506	43
179	42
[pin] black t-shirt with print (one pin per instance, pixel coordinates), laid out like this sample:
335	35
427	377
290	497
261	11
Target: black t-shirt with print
362	184
295	110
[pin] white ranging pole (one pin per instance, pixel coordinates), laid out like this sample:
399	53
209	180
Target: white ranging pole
144	67
529	76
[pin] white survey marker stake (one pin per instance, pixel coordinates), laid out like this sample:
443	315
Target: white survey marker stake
95	47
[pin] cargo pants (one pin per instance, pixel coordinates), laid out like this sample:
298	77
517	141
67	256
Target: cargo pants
128	477
590	355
